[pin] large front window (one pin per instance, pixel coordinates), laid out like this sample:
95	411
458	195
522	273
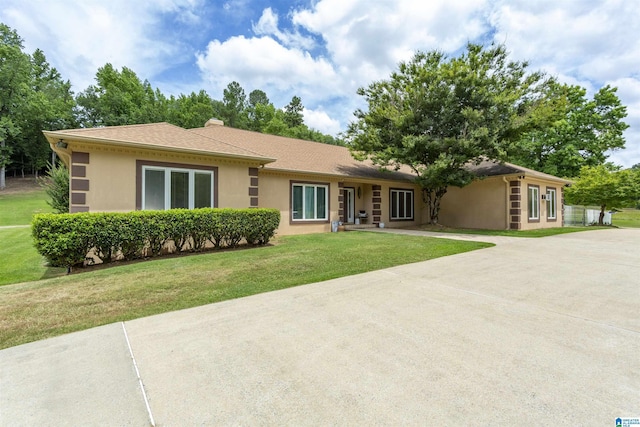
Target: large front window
401	204
534	203
309	202
171	188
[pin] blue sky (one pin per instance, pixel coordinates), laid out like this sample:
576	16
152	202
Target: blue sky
323	50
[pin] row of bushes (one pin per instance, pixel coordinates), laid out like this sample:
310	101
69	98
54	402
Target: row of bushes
67	240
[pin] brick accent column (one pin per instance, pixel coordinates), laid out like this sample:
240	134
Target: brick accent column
79	183
377	203
341	202
515	209
253	187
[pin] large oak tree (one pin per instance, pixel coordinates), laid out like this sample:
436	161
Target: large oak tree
436	114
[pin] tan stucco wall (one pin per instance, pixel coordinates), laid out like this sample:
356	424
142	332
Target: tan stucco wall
481	204
543	222
111	173
487	204
111	176
275	193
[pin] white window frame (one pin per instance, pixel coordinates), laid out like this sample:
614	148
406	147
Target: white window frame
552	207
406	217
167	184
533	193
315	198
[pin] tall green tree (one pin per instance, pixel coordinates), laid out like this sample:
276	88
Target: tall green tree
33	97
259	110
14	91
120	98
191	111
570	131
50	107
293	112
604	187
437	114
234	112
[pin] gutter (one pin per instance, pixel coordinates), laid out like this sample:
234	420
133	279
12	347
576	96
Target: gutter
52	136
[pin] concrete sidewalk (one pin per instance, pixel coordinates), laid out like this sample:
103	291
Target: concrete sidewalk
529	332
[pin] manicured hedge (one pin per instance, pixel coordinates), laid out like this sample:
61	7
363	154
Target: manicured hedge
67	240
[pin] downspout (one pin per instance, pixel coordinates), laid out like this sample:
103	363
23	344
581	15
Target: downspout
507	203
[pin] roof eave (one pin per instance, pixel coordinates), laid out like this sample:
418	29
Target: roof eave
52	135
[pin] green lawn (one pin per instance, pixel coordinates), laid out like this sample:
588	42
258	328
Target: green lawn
18	208
542	232
20	262
37	310
626	218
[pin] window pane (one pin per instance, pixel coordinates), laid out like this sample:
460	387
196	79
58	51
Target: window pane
551	204
321	208
409	205
309	202
401	213
154	189
179	190
533	203
202	190
297	202
394	204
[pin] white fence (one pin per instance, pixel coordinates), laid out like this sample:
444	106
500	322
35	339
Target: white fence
581	215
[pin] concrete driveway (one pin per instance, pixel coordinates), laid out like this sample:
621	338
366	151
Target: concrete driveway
530	332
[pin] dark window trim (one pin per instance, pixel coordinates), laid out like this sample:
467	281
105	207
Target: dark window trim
529	201
308	221
141	163
556	204
413	204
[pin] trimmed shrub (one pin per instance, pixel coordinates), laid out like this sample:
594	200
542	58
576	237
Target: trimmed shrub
66	239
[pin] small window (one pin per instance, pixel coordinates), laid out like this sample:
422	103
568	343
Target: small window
551	203
534	203
401	204
172	188
309	202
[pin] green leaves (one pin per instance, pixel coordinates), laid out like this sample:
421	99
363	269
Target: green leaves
602	186
568	131
67	239
437	114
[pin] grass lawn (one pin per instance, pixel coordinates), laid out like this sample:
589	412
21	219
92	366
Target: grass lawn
542	232
626	218
19	260
20	201
37	310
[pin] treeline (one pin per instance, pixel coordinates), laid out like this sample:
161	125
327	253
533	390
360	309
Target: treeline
35	97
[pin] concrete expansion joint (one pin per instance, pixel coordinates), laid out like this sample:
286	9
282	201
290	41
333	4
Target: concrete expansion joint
135	365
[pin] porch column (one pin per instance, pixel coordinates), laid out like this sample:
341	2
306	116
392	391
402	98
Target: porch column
377	203
341	202
515	208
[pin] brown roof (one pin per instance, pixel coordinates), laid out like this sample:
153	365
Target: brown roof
158	136
275	152
492	168
295	155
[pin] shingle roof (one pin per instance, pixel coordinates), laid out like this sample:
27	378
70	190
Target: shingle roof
159	136
275	152
295	155
491	168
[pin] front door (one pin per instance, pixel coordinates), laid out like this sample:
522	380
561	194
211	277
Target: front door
349	210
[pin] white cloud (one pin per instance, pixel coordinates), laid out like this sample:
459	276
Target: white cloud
80	37
319	120
263	63
268	25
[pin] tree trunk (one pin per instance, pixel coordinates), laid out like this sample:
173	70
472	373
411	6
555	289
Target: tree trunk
3	183
601	218
432	198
